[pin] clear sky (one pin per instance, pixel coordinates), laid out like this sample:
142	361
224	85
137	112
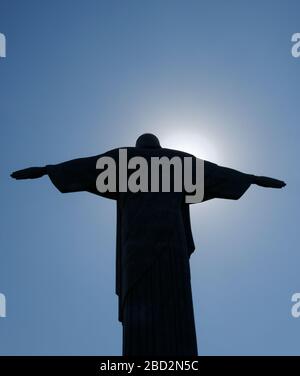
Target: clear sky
213	78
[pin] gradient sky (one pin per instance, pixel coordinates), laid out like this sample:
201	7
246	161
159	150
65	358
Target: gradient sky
213	78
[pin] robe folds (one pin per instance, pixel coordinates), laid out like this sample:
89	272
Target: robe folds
154	243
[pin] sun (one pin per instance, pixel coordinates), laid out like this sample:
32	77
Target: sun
193	142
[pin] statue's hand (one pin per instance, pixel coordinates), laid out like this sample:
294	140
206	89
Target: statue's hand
264	181
29	173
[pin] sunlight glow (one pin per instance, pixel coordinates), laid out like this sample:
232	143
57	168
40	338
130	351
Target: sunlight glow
192	142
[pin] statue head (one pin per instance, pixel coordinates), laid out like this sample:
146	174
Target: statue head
147	140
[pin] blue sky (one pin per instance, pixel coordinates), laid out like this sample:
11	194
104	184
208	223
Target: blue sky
210	77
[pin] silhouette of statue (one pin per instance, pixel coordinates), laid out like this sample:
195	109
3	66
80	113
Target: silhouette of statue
153	246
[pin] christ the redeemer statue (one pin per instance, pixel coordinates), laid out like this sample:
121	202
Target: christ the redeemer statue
154	245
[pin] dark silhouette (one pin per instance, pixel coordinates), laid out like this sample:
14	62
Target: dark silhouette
154	244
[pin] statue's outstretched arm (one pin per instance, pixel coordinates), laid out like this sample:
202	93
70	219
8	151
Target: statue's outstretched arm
75	175
29	173
228	183
264	181
70	176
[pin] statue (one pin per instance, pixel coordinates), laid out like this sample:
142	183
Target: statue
153	246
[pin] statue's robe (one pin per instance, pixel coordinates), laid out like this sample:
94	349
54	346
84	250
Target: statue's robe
153	248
